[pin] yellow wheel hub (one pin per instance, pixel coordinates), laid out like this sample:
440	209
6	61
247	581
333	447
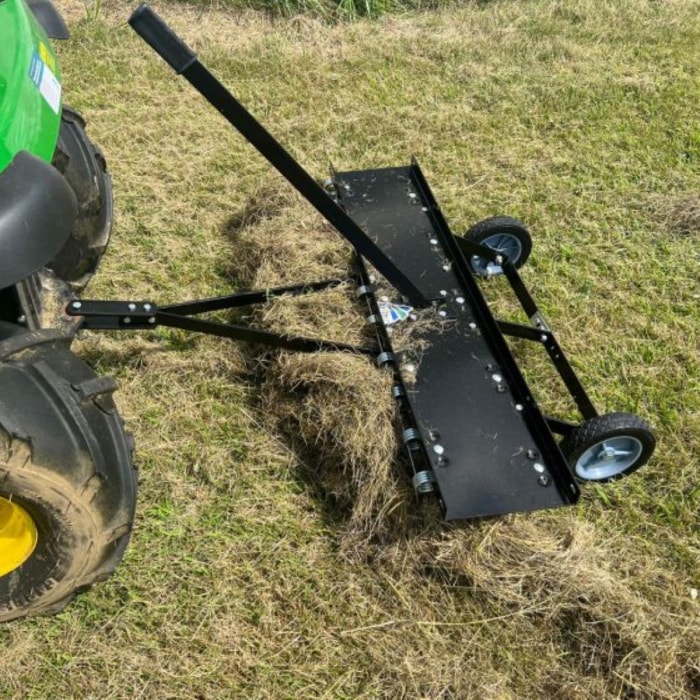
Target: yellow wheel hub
18	536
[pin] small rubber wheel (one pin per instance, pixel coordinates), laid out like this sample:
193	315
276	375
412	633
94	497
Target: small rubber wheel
504	234
67	483
608	447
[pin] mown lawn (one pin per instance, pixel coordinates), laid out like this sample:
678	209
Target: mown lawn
243	579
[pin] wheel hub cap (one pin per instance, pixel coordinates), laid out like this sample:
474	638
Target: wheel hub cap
504	244
18	536
609	458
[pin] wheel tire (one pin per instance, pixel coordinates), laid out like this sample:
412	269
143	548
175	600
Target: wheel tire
83	165
505	235
65	468
608	447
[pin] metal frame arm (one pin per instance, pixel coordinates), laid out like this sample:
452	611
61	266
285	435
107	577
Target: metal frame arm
145	315
539	331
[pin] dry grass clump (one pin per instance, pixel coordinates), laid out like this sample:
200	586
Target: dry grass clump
334	408
553	587
678	214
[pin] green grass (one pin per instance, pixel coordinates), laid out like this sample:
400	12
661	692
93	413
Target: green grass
328	9
580	118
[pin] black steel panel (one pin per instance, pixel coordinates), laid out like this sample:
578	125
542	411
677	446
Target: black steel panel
479	424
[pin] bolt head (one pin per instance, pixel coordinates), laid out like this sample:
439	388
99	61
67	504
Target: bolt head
438	449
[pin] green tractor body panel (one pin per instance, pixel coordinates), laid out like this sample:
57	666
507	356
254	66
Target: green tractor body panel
30	86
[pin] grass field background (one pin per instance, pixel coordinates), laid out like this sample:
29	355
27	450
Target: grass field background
581	119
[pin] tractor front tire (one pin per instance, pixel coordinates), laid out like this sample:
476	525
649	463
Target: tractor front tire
67	482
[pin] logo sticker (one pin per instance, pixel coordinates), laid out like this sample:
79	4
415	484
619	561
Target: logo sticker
393	313
42	76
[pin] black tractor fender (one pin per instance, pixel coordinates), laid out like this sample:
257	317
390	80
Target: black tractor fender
49	18
38	210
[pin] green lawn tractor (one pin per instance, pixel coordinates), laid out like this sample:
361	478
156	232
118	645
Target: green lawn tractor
67	485
473	434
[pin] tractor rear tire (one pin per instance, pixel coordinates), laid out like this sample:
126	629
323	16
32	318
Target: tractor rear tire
81	162
67	482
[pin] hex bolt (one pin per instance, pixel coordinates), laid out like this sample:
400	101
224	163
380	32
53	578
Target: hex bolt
438	449
151	319
433	241
460	300
443	292
472	326
126	319
131	306
447	267
538	467
519	407
497	378
147	307
442	313
544	337
76	304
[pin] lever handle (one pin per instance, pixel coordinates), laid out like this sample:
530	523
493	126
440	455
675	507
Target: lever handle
162	39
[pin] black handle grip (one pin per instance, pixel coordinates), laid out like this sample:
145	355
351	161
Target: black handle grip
155	32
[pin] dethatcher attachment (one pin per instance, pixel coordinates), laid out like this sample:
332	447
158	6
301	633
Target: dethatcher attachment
472	429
